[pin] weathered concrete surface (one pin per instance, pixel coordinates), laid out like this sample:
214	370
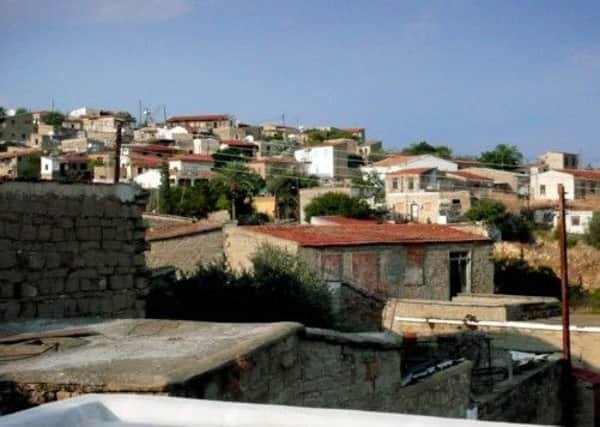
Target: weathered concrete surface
144	355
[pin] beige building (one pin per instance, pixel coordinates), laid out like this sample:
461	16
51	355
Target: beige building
273	166
578	183
27	128
202	123
412	180
17	162
393	260
435	207
186	169
516	182
559	160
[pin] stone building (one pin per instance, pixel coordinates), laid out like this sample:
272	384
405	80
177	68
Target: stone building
71	250
398	260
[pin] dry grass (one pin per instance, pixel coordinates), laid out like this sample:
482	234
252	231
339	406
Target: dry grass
584	260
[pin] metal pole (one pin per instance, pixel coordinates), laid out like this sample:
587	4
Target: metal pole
117	173
564	275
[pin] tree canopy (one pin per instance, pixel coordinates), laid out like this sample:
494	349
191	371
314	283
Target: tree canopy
237	185
285	189
493	212
333	203
503	156
54	118
423	147
22	110
592	235
316	136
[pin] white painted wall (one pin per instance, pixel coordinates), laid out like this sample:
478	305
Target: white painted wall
425	161
149	180
577	222
319	161
549	181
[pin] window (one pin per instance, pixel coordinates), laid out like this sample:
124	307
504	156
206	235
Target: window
542	190
46	167
395	184
140	170
575	220
411	184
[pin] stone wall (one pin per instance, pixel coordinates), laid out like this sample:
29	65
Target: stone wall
69	250
185	251
333	370
356	309
532	397
288	365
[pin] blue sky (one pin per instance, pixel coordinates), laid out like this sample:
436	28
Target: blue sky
469	74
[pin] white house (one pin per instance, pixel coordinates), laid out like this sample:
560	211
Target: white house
149	180
400	162
324	161
577	222
185	169
578	183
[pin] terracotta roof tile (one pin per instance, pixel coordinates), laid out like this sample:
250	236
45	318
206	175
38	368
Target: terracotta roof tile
194	158
367	234
153	148
236	143
146	161
412	171
182	230
589	175
199	118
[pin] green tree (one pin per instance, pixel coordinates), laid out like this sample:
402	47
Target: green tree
333	203
237	185
285	188
492	212
231	154
29	167
317	136
370	186
2	112
503	156
165	195
423	147
194	201
54	118
126	117
377	155
592	235
21	110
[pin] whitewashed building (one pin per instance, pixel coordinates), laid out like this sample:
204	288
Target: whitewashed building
400	162
324	161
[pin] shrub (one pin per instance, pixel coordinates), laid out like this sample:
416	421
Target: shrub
513	227
280	288
333	203
516	277
592	236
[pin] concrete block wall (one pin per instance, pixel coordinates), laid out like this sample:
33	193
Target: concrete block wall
71	250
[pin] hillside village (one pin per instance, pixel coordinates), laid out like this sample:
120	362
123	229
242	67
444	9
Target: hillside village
307	266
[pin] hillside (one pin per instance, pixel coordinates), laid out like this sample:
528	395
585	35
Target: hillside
584	260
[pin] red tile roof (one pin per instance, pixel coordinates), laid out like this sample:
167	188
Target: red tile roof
18	153
342	220
146	161
583	174
200	118
466	162
367	234
153	148
193	158
588	376
469	176
412	171
236	143
182	230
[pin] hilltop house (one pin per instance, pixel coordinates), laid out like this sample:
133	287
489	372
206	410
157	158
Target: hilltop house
395	260
328	162
185	169
578	183
400	162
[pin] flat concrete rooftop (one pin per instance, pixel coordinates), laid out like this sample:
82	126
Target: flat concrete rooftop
128	354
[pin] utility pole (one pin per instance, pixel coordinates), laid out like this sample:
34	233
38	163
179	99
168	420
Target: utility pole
298	200
118	139
564	275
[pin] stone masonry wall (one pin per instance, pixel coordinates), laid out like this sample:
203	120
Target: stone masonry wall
334	372
71	250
